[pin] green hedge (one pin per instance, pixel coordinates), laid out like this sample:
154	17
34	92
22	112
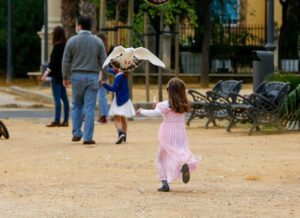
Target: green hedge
27	20
231	50
293	78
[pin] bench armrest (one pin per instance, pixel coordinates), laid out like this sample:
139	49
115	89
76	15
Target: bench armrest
197	96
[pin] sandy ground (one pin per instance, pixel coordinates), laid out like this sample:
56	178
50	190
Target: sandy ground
44	174
139	91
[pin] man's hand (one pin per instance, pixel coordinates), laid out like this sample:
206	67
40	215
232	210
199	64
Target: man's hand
66	83
45	75
138	112
101	82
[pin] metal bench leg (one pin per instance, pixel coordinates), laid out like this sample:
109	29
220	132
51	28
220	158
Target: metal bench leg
210	120
214	122
231	124
254	126
278	124
192	116
207	123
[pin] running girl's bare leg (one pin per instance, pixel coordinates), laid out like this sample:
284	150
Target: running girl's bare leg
124	126
117	122
119	127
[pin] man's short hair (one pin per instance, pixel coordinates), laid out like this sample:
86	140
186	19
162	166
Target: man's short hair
84	22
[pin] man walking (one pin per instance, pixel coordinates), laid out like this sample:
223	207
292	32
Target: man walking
82	60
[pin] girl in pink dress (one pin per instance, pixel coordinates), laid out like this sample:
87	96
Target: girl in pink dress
174	159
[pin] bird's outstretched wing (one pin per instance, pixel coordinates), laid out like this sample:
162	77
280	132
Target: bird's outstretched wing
145	54
115	53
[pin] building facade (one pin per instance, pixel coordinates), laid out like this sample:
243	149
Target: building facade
242	12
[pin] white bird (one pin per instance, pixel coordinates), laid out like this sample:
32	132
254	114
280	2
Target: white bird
127	59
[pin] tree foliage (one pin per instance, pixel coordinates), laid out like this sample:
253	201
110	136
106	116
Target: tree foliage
290	109
27	20
69	12
290	29
182	8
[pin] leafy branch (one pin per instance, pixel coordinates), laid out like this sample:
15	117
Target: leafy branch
290	108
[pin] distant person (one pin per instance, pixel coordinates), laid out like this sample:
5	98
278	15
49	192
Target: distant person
174	158
82	61
102	93
54	72
121	107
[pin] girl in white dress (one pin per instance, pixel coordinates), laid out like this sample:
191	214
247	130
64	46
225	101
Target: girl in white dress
121	107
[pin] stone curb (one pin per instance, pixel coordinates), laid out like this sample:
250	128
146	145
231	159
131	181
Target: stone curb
32	95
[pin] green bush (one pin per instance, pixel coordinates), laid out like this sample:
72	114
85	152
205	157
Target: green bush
293	78
233	50
27	20
290	107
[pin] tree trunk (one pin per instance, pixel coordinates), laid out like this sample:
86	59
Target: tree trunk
205	44
283	30
243	11
102	15
69	14
89	9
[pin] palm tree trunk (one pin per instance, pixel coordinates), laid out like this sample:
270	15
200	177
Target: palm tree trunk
89	9
69	9
205	44
283	30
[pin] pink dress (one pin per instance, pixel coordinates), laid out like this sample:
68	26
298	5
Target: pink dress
173	150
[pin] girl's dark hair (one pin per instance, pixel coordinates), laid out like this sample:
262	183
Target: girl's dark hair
104	40
59	35
126	74
84	22
177	97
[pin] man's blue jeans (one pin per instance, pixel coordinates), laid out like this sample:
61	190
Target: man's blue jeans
59	93
84	95
102	100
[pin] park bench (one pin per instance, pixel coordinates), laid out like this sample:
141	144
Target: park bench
214	104
260	107
35	76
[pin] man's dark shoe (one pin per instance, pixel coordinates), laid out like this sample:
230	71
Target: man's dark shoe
64	124
185	173
102	120
120	139
76	139
89	142
53	124
164	189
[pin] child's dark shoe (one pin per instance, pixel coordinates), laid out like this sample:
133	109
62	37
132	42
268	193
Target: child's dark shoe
120	139
164	189
124	139
185	173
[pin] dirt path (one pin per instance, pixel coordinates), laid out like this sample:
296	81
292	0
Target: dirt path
44	174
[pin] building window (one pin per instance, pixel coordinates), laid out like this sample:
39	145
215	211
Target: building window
226	11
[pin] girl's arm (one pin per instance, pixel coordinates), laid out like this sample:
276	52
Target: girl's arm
114	87
46	74
149	113
52	64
